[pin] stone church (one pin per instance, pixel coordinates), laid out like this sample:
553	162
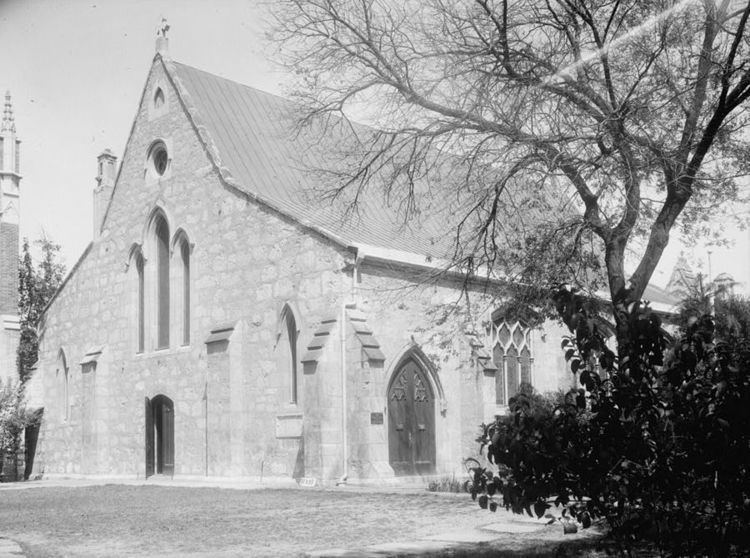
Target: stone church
220	324
10	179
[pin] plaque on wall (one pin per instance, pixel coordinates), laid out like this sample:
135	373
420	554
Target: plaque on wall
376	418
289	426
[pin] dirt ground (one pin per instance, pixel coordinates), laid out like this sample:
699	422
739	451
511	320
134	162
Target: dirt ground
115	520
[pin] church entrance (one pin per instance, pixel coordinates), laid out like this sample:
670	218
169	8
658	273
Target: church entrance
411	421
159	436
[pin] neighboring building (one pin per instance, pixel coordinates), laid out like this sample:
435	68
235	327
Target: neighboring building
724	285
10	179
223	324
683	281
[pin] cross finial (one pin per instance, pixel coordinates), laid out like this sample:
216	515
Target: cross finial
161	31
9	124
162	42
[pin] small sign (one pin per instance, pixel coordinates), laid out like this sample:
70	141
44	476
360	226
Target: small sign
289	426
376	418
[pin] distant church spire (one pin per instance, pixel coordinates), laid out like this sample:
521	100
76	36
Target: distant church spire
9	124
10	198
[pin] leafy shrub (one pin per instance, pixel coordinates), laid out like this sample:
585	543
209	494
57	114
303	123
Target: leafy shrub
446	484
12	418
655	442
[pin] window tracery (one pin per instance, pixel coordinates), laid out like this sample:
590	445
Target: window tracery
512	354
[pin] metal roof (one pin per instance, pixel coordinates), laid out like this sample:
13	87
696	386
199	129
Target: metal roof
254	141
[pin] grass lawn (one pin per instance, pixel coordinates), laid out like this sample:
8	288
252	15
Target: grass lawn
118	520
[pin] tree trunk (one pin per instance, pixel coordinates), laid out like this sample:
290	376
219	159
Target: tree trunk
621	296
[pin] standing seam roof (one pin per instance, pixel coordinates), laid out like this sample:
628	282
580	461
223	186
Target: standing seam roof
259	148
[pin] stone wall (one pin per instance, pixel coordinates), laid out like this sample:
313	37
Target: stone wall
410	309
233	414
247	262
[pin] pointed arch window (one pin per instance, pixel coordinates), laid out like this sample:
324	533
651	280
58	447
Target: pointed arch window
141	303
498	357
64	385
185	251
158	98
161	230
182	286
512	354
287	347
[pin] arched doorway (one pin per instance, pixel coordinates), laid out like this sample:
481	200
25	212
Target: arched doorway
411	421
159	436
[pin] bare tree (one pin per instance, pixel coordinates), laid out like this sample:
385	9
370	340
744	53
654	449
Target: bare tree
600	122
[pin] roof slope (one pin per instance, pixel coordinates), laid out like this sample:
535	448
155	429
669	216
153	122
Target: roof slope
259	151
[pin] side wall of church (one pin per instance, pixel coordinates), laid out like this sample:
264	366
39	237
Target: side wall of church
233	409
410	310
246	264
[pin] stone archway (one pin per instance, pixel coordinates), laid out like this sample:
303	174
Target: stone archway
411	420
159	436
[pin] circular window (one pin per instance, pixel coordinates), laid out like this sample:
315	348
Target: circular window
159	159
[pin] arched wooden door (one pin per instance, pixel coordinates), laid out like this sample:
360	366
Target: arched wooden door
159	436
411	421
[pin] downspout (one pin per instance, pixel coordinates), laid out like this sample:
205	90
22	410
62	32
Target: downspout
205	408
345	444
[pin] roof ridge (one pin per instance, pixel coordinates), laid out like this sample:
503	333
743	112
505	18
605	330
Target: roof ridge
235	82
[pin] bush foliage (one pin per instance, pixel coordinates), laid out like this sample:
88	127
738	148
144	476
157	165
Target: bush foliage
12	419
655	441
37	285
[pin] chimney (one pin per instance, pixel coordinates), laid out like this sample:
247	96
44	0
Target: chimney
105	183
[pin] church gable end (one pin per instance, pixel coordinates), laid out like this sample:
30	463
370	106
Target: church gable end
179	251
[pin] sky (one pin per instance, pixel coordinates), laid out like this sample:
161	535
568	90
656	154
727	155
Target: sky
76	70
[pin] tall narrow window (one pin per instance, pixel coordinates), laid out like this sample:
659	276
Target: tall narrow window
162	283
287	352
511	371
185	253
63	381
498	356
66	394
141	324
292	332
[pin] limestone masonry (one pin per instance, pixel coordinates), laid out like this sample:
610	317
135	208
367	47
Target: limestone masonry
220	324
